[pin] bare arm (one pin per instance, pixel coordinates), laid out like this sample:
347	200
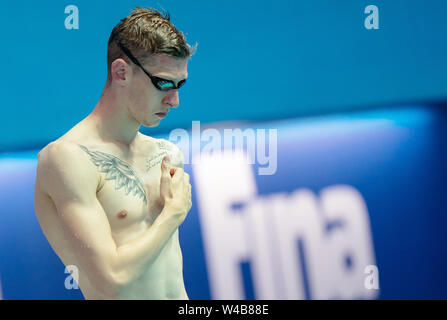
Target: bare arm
71	181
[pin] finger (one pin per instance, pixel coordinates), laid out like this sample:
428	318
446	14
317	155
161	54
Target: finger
178	175
165	179
166	161
165	165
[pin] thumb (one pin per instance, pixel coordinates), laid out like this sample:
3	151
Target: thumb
165	164
165	179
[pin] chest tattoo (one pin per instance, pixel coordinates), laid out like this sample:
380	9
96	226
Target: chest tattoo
118	170
155	160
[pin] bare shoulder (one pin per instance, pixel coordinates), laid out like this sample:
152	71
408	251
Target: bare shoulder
61	161
174	152
59	151
169	148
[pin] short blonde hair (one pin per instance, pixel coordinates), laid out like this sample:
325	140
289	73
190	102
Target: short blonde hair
146	32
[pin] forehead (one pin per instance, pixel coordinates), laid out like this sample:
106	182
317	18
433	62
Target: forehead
171	66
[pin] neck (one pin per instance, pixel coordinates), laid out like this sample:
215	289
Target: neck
112	119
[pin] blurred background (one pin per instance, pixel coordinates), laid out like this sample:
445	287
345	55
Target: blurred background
345	198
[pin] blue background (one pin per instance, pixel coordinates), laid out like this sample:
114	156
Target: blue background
256	60
308	68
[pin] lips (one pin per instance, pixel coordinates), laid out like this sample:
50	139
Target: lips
161	114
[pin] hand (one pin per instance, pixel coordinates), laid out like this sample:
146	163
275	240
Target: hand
175	191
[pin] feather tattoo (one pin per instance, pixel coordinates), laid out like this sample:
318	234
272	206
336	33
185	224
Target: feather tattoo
118	170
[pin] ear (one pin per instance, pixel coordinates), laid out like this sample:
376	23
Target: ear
121	71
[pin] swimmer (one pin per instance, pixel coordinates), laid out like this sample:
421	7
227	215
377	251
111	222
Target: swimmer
109	199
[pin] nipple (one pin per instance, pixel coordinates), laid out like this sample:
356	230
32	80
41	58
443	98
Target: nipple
122	214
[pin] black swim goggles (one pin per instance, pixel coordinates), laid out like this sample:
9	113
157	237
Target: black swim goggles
159	83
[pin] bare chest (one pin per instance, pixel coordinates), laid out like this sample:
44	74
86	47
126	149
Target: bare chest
129	192
129	189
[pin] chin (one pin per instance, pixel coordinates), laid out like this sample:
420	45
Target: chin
151	124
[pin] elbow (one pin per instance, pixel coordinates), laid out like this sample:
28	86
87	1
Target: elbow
118	282
111	285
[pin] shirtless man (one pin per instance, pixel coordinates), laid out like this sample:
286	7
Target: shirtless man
108	198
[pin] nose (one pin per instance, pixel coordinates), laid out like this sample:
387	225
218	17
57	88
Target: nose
172	98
